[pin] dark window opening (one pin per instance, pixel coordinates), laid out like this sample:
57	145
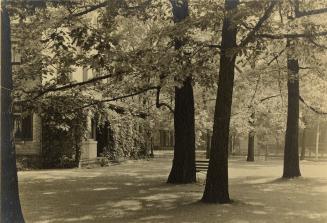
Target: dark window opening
23	127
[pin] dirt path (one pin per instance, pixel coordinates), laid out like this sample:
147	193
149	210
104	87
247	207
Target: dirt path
135	191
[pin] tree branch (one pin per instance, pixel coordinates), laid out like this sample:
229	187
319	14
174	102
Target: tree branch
276	56
71	85
158	104
299	14
122	110
256	28
213	46
269	97
291	35
312	108
101	5
120	97
90	9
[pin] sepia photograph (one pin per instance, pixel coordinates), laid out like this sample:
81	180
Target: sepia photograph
163	111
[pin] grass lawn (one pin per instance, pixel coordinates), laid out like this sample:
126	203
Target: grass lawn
135	191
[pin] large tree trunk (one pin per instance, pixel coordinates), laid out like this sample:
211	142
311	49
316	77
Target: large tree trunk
291	151
10	204
216	189
183	168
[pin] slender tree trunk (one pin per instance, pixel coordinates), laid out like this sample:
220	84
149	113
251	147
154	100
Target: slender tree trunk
183	168
317	141
303	144
291	151
250	156
10	204
216	188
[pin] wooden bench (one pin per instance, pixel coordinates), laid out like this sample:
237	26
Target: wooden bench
201	165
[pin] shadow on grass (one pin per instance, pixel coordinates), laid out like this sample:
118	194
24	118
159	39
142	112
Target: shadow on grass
137	192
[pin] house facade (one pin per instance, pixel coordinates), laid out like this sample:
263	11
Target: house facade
29	128
29	137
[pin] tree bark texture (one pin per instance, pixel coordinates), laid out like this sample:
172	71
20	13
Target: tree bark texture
291	150
216	188
10	204
250	156
183	167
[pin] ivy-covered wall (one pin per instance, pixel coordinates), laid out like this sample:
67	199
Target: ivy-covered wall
129	137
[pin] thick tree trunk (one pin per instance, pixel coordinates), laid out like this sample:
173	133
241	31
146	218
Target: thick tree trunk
250	156
10	204
291	150
216	188
183	168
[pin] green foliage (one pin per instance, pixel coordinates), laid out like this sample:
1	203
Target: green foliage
64	129
133	42
130	135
